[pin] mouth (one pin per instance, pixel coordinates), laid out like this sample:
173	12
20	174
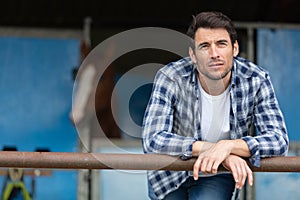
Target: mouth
216	64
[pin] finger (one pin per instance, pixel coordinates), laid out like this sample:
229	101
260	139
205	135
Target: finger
206	165
239	177
210	167
237	172
215	167
196	168
243	174
250	175
234	173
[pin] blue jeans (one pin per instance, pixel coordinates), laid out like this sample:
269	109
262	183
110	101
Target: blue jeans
218	187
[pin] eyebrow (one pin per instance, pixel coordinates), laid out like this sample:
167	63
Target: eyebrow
219	41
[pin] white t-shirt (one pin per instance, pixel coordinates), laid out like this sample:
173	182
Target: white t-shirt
215	116
215	126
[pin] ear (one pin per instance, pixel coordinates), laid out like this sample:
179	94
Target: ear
192	55
235	48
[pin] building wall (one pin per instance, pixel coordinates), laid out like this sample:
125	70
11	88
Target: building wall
36	96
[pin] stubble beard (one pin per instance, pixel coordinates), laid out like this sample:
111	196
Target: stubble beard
216	77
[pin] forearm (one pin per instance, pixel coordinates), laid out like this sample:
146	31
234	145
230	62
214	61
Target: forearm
237	147
167	143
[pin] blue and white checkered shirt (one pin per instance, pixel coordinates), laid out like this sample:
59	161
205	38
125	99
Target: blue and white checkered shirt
172	118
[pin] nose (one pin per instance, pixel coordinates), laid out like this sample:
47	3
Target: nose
213	52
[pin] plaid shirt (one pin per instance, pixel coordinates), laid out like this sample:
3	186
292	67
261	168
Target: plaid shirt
172	118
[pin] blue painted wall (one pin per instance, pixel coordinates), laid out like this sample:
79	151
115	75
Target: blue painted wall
278	51
36	95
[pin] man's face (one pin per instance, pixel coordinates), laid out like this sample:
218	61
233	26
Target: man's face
213	53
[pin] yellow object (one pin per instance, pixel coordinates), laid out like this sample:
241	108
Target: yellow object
18	184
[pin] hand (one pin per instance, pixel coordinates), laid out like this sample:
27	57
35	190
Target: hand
239	169
209	161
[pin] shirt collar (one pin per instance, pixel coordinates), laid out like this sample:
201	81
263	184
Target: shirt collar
241	69
233	74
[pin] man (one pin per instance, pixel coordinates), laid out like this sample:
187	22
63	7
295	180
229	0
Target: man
204	106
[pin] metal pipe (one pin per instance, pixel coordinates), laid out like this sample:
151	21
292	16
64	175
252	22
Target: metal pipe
57	160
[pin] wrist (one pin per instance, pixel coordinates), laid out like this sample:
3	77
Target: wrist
237	147
227	145
200	146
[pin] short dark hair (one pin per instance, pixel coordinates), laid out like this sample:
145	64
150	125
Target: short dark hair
212	20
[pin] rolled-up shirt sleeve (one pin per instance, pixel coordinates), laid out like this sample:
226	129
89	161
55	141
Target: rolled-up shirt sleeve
158	134
271	137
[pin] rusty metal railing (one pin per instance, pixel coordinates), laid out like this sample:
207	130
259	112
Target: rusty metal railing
57	160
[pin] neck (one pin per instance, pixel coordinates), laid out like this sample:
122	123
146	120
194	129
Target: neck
214	87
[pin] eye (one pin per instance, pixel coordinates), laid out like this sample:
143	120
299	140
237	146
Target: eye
222	44
203	46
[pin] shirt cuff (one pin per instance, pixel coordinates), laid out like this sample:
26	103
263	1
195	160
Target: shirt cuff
254	150
187	149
